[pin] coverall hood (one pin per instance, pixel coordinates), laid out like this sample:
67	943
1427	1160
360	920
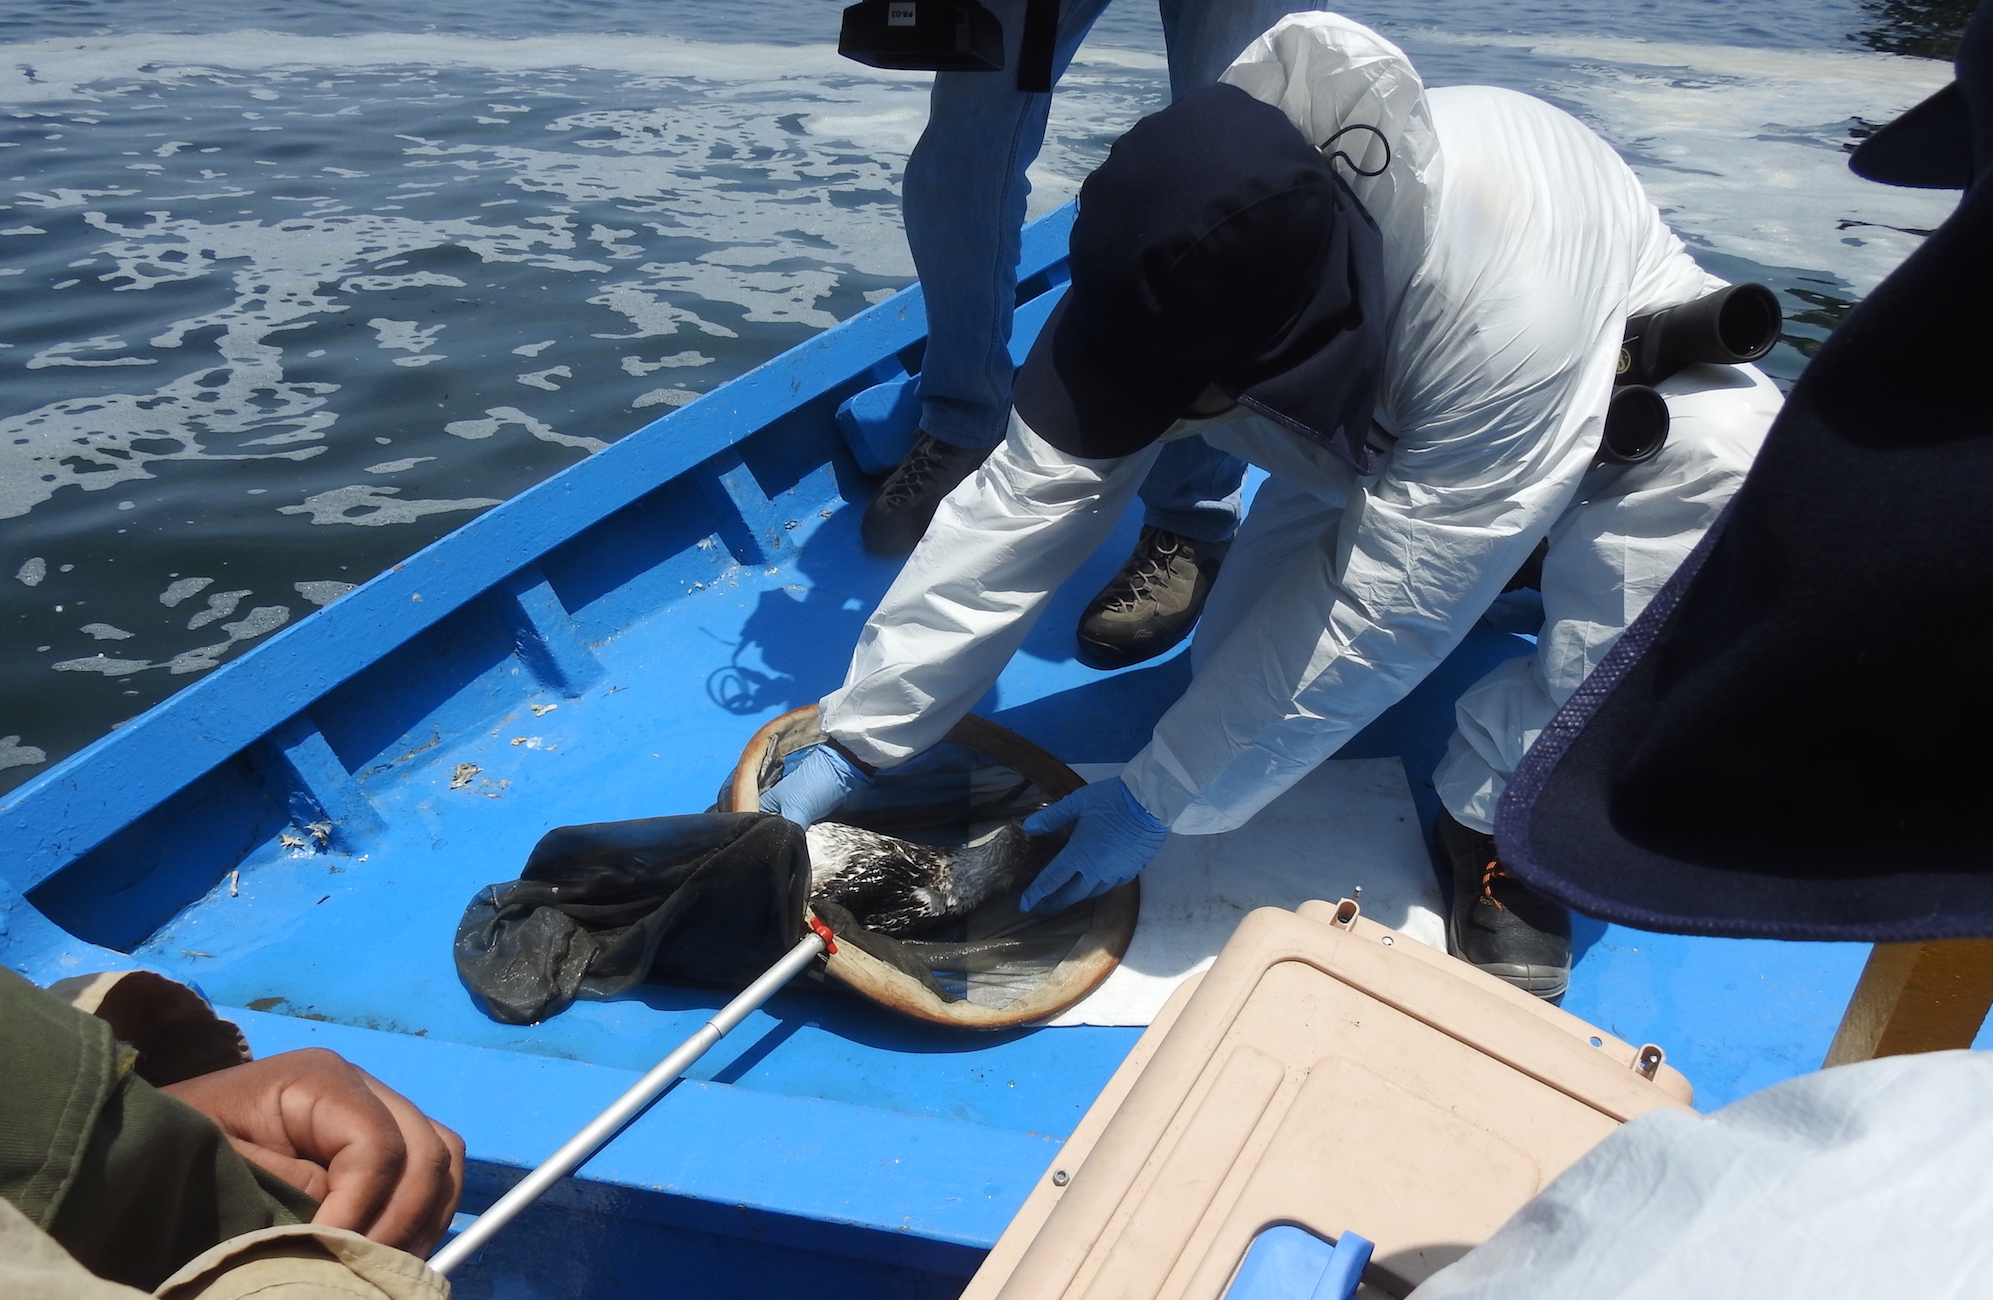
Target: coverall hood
1215	245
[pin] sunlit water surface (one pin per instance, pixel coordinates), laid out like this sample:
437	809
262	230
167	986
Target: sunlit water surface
289	291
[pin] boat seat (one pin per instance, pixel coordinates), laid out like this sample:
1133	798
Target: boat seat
1328	1073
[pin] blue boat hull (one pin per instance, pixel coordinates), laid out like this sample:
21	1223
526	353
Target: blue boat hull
298	832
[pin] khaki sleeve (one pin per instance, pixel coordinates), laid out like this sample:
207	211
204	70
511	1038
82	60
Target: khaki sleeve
302	1262
127	1179
299	1262
33	1264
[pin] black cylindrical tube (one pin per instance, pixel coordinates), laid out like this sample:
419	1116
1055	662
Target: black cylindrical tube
1734	325
1636	426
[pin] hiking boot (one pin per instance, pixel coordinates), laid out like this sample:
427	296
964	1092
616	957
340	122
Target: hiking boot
1152	603
1497	923
905	503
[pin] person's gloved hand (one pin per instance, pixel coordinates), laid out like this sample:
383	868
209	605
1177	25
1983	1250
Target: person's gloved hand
1113	838
815	780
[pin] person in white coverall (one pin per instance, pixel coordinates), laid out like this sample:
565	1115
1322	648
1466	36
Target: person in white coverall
1407	306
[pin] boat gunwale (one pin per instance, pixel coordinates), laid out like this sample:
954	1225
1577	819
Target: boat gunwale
51	821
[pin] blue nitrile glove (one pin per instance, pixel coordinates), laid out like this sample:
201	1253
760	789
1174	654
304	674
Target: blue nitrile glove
815	779
1113	838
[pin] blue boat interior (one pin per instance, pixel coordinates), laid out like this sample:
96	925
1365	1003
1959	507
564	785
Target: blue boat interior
298	832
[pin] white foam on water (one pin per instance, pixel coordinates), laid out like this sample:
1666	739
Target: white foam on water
64	354
220	605
371	505
407	335
323	592
544	379
182	589
775	297
63	69
673	397
284	273
103	664
717	176
499	417
652	317
258	622
14	754
638	367
787	158
1103	93
1742	149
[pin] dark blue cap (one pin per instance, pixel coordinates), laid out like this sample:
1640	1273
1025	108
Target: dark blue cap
1214	246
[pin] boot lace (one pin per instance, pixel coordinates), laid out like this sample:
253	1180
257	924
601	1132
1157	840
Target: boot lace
922	465
1490	875
1148	571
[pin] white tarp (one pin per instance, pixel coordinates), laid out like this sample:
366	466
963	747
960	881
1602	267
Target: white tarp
1856	1183
1350	823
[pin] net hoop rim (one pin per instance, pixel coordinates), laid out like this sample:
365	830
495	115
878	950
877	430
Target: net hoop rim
1095	954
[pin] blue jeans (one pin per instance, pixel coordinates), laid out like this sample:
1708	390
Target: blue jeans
964	198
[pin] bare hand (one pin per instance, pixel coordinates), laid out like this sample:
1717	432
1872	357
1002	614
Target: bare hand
376	1164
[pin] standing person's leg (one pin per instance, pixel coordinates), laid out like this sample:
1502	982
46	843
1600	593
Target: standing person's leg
1609	555
963	201
1192	497
1204	36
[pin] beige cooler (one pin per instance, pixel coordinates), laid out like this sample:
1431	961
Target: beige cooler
1328	1072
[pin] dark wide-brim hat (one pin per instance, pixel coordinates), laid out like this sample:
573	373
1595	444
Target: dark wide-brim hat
1795	740
1215	245
1946	141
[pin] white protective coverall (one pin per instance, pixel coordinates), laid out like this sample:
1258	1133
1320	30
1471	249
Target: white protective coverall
1516	244
1855	1183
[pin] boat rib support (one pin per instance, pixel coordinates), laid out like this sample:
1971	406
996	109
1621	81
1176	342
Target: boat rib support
544	635
317	788
757	538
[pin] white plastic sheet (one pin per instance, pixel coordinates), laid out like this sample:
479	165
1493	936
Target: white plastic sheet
1349	823
1855	1183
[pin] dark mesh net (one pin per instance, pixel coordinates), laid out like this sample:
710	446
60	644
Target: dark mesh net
717	897
712	898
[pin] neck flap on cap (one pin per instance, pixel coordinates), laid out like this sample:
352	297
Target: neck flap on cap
1322	371
1215	246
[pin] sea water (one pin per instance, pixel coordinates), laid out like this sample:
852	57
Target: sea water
288	291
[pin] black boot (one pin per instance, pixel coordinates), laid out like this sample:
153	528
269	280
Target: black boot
1497	923
1152	603
904	505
